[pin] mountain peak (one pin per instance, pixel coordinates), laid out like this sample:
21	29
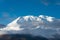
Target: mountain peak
40	17
48	18
31	18
25	21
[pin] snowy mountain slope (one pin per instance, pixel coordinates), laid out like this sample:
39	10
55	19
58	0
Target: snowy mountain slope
36	25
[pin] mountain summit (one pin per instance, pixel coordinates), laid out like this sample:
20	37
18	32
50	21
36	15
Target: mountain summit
30	22
35	25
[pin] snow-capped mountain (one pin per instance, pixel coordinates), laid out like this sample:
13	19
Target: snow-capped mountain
36	25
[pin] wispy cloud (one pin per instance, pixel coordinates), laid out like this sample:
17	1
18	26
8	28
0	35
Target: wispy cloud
5	14
50	2
58	3
45	2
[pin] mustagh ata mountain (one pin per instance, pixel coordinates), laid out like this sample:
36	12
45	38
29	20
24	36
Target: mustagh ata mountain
45	26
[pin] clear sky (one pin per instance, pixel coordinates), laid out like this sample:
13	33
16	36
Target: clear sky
11	9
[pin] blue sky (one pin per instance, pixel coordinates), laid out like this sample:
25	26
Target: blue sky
11	9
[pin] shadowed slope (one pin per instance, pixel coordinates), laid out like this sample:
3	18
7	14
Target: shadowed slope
21	37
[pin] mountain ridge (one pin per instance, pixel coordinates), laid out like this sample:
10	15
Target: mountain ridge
35	25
